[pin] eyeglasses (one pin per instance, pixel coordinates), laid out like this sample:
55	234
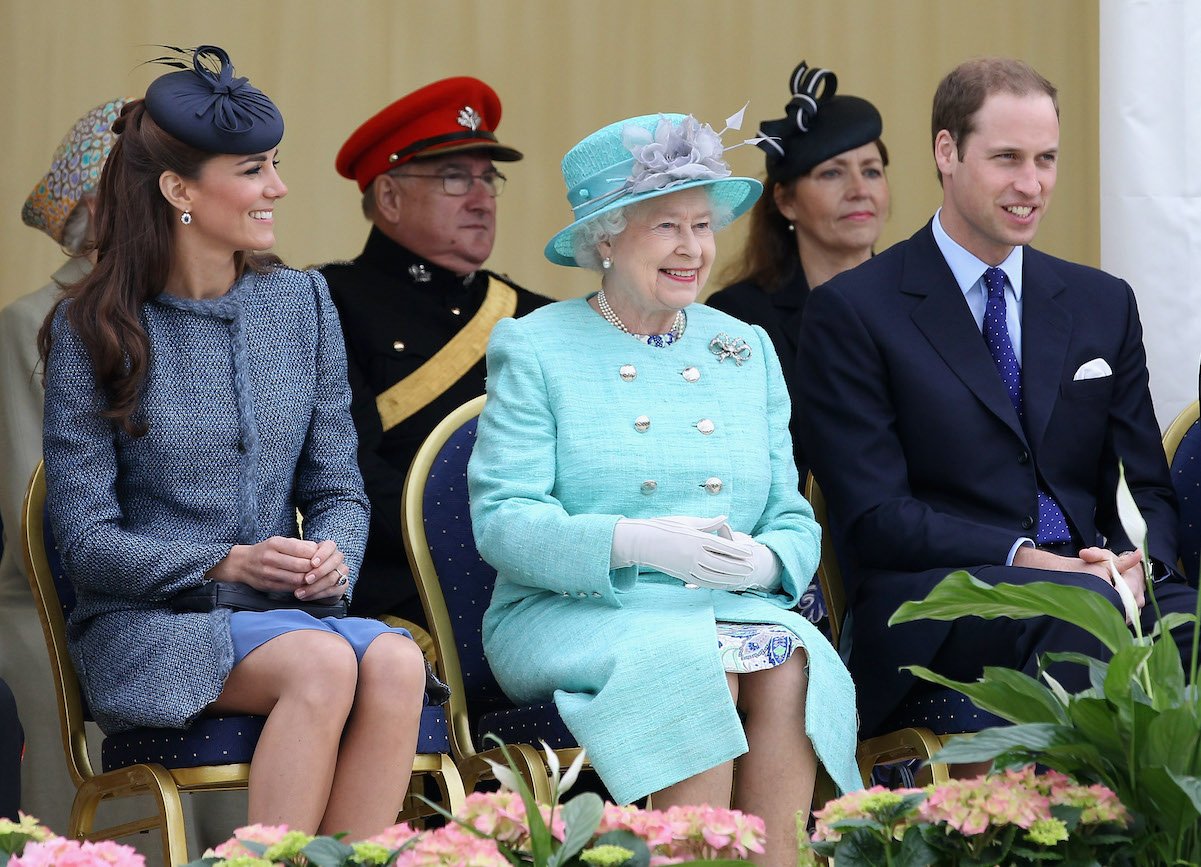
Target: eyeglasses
459	183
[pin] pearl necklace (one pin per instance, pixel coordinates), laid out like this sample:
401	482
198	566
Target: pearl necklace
676	332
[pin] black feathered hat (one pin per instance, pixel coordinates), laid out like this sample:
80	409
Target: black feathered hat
818	124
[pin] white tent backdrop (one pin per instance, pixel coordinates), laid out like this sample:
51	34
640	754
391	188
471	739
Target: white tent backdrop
1150	142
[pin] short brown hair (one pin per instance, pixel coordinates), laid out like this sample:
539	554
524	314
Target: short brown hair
963	90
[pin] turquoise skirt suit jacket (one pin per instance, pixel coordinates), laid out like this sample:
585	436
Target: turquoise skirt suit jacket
583	426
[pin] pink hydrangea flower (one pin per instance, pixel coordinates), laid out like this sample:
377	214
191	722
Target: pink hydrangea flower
61	852
268	835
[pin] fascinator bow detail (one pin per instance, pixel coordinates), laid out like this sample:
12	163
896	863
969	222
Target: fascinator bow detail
235	104
810	88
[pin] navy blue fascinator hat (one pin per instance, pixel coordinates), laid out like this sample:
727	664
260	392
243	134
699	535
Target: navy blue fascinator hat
818	124
205	106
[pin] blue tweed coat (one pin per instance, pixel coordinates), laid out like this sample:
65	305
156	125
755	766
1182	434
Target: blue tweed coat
629	655
248	412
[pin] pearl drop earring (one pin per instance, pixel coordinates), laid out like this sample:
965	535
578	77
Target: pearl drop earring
606	263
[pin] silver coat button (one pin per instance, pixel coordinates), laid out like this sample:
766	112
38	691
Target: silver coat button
649	486
705	426
712	485
583	594
690	374
398	345
596	594
628	372
455	310
642	424
692	586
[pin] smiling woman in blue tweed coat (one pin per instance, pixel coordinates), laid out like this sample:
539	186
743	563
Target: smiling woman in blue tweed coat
634	486
196	398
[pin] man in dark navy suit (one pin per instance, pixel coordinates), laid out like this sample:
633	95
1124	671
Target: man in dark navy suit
965	401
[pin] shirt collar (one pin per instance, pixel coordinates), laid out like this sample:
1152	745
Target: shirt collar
966	268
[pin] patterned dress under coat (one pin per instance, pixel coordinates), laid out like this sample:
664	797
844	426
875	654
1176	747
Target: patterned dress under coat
247	405
584	425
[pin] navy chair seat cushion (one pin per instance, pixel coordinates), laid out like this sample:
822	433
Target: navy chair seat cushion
944	712
1186	479
226	740
218	740
526	725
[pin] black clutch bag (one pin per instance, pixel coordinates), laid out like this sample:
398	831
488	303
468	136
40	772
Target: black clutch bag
240	597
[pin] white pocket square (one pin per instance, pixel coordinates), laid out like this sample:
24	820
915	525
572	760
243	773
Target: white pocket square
1094	369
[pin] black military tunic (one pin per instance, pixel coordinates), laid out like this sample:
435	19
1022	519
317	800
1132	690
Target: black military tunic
397	311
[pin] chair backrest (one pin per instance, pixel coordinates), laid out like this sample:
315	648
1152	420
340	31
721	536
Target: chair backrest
829	575
455	584
55	597
1182	445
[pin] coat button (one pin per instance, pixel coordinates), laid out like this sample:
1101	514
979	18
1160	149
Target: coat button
1024	457
627	372
398	345
712	485
1027	522
705	426
649	486
642	424
596	594
455	310
690	374
583	594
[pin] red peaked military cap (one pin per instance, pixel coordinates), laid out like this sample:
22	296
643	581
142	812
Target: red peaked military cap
454	114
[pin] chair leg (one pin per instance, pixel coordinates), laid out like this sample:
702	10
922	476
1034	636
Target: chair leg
164	790
451	784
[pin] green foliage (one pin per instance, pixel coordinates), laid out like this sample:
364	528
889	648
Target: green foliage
1137	729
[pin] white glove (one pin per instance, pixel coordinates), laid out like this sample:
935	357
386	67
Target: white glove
765	565
685	548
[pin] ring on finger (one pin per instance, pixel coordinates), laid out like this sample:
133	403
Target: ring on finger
342	578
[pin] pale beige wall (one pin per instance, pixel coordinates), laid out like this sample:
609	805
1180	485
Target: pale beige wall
562	68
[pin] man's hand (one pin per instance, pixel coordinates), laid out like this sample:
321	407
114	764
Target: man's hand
1095	561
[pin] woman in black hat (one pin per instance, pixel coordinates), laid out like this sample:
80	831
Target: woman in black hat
196	401
821	213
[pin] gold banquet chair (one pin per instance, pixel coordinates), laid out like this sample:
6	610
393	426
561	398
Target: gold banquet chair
455	585
933	718
1182	446
212	755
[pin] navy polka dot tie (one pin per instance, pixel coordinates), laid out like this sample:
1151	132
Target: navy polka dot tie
1052	524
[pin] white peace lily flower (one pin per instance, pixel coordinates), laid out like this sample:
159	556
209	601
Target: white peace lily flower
552	763
1128	514
504	776
1119	584
573	772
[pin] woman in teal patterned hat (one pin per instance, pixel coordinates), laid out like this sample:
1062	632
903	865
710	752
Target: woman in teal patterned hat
633	484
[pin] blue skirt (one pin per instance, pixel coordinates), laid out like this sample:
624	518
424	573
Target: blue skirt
252	629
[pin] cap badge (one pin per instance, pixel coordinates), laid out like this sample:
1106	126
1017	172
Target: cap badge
469	118
420	274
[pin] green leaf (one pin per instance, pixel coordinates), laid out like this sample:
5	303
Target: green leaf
915	851
1097	723
1120	679
1190	786
1171	741
1166	670
962	595
860	848
581	815
1009	694
1170	621
990	743
627	840
326	852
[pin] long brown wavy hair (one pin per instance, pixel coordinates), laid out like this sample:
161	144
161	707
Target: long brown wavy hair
134	250
770	258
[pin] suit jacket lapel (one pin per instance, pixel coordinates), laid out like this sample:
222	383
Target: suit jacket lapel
945	319
1046	327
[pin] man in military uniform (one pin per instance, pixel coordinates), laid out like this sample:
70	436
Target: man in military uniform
417	305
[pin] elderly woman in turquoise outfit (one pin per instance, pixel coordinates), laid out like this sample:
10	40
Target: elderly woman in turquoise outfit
196	400
633	484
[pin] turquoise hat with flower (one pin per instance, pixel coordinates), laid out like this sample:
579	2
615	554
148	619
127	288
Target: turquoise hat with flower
642	158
